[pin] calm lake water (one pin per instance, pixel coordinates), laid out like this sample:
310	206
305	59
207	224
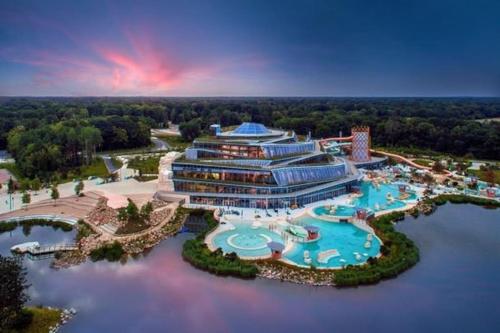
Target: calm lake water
454	288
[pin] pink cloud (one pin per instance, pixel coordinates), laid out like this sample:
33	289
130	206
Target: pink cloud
140	64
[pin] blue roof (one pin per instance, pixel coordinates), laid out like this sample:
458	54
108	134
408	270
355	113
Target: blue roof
251	129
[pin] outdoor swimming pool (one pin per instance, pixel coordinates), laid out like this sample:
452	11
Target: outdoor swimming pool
340	210
346	238
246	241
375	198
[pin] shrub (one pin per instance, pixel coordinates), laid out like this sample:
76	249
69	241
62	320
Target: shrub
399	254
110	252
7	226
23	319
196	252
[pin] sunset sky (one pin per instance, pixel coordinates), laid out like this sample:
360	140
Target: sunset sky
250	48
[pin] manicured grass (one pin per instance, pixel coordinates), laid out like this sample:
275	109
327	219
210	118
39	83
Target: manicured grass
481	174
145	165
196	252
423	162
97	169
176	142
43	319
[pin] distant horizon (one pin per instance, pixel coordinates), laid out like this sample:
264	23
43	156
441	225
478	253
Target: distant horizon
249	96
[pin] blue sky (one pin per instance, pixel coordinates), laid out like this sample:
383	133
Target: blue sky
250	48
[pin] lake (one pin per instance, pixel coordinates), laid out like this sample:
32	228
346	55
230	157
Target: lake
455	287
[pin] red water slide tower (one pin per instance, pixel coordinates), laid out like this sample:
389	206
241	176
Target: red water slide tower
360	151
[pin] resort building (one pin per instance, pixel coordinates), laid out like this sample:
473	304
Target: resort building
255	166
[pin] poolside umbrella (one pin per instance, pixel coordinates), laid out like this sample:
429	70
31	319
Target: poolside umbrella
312	231
276	249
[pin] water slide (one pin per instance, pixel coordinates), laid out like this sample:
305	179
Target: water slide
407	161
338	139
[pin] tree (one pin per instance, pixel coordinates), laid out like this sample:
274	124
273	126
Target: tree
122	214
427	178
12	292
132	211
36	185
437	167
25	185
146	210
79	188
26	199
11	186
190	130
54	193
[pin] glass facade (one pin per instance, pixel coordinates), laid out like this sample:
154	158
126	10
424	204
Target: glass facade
268	168
308	174
279	149
223	174
269	203
214	187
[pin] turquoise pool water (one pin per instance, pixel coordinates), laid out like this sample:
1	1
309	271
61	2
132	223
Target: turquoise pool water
344	237
340	210
245	241
373	196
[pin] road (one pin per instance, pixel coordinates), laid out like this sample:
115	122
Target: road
109	164
160	144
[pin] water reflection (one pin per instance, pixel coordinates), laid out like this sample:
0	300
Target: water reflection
159	292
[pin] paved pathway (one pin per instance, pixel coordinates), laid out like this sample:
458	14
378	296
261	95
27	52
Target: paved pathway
160	144
128	186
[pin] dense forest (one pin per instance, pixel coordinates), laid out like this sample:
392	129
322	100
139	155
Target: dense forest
47	134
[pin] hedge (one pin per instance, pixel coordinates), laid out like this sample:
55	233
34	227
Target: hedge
399	254
9	226
196	252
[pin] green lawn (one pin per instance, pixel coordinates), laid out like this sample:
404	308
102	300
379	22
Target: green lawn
176	142
423	162
43	319
145	165
481	175
97	169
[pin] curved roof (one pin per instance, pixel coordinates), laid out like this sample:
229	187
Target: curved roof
251	129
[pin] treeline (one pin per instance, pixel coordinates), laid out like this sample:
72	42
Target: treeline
47	136
449	125
445	125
